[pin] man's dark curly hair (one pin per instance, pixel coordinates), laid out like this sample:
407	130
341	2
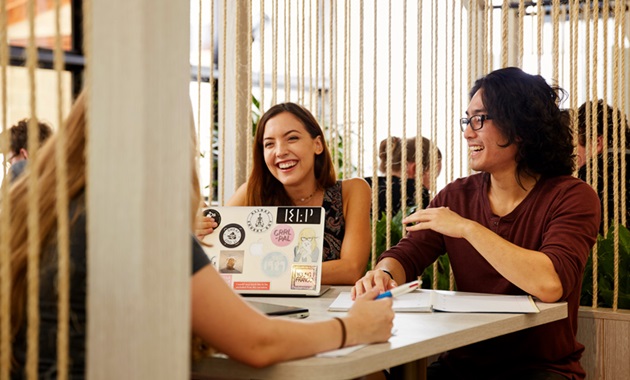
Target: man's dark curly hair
527	111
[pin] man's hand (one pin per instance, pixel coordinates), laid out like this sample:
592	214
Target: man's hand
439	219
372	279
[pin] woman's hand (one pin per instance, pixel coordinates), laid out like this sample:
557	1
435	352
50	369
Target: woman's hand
370	320
374	279
204	225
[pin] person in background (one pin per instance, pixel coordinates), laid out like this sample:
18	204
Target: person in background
292	166
522	225
396	192
584	155
18	154
259	341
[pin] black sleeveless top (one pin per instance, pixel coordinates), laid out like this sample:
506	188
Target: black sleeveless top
335	227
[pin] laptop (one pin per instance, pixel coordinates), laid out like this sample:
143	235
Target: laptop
268	250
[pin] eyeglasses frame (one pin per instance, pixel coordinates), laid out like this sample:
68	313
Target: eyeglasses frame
464	122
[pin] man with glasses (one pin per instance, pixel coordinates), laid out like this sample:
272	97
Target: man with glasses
521	225
18	154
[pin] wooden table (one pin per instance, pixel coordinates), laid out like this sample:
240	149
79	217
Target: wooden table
417	336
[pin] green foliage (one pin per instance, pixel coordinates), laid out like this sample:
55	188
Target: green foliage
381	232
605	271
443	274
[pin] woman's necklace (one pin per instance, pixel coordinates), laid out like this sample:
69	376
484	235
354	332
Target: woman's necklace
306	199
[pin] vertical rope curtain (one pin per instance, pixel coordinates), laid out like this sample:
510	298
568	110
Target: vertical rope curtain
32	275
330	52
5	270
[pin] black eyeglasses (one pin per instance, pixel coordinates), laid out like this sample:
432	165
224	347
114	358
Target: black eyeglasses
475	121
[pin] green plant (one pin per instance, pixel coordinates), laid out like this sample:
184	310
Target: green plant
605	271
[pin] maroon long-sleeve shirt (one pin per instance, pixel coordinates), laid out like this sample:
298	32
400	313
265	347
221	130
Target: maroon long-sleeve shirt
559	217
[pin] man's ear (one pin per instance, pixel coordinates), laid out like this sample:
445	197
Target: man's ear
319	145
23	153
600	144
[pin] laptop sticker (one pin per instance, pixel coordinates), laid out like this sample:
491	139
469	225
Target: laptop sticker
304	277
282	235
231	262
306	250
232	235
259	220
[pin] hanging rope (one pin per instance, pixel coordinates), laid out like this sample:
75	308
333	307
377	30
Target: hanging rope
375	214
606	75
403	139
434	101
32	300
63	229
249	120
319	88
261	76
617	49
462	155
623	143
222	102
301	68
487	35
199	46
474	37
504	35
521	24
540	15
287	50
361	91
5	257
469	61
388	192
347	140
563	18
332	136
555	12
418	178
274	55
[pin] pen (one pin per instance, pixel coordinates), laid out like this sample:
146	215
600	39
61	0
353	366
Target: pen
400	290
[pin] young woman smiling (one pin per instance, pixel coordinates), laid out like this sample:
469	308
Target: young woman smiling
293	166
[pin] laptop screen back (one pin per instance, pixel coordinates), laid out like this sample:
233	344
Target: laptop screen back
268	250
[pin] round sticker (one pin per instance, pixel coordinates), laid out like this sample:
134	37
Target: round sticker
232	235
274	264
282	235
214	214
259	220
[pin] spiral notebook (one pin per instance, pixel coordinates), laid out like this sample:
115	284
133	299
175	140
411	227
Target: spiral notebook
268	250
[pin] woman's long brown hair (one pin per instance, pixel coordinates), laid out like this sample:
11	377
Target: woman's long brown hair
263	189
47	202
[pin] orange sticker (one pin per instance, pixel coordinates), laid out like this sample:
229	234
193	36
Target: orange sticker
240	285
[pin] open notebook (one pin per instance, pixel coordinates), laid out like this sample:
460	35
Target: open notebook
268	250
424	300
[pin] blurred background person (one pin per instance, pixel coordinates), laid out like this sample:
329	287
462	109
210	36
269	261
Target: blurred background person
411	173
17	155
597	152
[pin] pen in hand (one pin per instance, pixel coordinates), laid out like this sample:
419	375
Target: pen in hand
400	290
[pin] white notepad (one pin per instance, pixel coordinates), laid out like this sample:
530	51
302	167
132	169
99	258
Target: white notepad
455	302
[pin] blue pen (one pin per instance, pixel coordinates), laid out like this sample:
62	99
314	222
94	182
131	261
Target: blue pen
400	290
